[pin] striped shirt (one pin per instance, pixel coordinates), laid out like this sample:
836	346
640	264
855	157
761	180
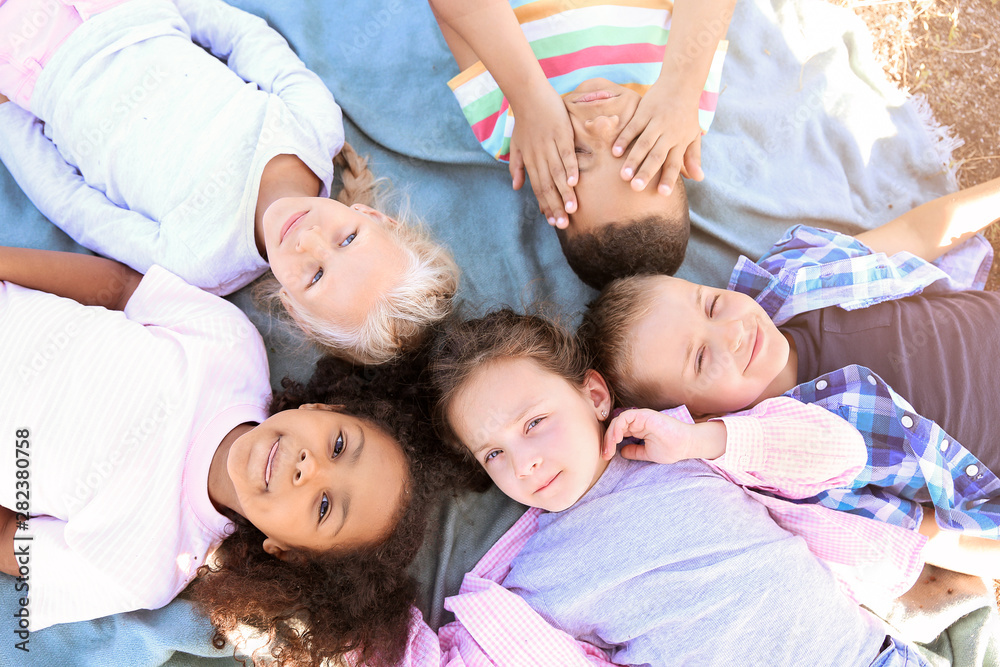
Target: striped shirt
623	42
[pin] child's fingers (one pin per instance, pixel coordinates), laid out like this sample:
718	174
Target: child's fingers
564	193
635	452
569	162
549	200
692	160
640	157
516	168
651	164
632	129
671	169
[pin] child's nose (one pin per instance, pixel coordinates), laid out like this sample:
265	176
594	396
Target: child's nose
305	467
603	126
525	463
309	241
735	334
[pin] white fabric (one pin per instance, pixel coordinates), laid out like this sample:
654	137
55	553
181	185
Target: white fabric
171	143
124	413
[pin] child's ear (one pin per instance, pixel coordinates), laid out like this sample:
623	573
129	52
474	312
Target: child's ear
376	214
319	406
597	390
273	548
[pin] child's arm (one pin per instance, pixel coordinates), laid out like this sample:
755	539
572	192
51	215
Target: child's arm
92	281
8	526
934	228
666	120
62	195
978	556
542	143
257	53
794	449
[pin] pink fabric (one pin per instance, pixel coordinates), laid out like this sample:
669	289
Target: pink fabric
30	32
780	445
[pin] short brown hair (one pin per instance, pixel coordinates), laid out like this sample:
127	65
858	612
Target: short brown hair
467	346
652	244
606	333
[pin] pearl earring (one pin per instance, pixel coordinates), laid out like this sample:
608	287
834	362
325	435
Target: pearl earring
604	414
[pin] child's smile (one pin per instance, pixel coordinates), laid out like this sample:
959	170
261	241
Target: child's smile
713	350
333	261
317	479
537	436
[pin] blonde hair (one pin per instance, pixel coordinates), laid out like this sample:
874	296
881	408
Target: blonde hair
400	318
606	333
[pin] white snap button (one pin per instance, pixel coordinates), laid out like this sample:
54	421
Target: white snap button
907	421
871	380
972	470
821	385
944	445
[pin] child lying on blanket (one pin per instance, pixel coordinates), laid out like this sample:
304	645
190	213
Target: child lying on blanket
663	342
141	403
658	565
518	59
188	134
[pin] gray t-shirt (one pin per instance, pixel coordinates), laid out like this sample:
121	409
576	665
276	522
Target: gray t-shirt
937	350
674	565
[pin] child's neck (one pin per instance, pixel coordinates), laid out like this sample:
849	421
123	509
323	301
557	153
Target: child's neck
221	490
283	176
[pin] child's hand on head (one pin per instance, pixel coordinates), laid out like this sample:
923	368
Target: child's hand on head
669	136
665	439
543	144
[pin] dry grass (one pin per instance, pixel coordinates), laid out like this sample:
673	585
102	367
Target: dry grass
948	51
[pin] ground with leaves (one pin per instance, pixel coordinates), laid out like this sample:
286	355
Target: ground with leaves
948	51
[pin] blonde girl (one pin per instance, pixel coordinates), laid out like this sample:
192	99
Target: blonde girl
189	135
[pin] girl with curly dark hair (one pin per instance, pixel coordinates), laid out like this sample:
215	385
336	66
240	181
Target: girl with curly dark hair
318	604
142	403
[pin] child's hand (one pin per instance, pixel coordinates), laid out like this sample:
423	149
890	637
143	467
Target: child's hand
666	440
669	135
543	144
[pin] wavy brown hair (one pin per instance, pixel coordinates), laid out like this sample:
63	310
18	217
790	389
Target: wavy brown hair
465	347
315	606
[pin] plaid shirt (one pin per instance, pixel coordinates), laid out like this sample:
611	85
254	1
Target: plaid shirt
911	460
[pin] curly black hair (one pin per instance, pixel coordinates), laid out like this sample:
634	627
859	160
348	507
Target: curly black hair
653	244
325	605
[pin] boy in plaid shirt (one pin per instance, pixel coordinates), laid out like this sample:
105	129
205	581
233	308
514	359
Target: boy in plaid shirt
901	322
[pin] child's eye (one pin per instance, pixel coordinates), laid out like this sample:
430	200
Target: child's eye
338	445
711	308
533	423
324	506
350	238
315	278
698	360
491	455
